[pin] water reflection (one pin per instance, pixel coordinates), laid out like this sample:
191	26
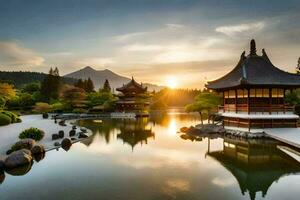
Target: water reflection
149	154
256	164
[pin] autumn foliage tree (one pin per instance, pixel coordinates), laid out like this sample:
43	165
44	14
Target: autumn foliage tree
72	95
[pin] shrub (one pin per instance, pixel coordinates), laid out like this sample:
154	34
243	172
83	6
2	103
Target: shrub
33	133
13	117
4	119
79	110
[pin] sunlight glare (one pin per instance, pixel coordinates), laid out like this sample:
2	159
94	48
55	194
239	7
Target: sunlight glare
171	82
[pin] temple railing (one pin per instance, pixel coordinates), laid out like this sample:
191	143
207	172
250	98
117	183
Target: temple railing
272	109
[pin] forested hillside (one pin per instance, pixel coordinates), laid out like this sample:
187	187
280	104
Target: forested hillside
21	78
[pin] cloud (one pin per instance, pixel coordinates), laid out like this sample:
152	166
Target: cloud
128	36
95	61
13	54
175	26
233	30
143	47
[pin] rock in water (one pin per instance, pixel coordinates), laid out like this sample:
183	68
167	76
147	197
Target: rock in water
61	134
23	144
209	128
38	149
184	129
20	171
2	165
18	158
55	136
2	177
66	144
72	133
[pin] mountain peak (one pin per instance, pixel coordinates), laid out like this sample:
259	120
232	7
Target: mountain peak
88	68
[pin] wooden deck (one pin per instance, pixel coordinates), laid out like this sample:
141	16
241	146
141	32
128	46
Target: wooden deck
290	136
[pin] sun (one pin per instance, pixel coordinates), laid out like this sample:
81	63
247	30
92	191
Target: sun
171	82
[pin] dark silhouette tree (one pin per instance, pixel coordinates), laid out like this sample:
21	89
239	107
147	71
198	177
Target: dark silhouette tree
89	86
106	86
298	67
51	85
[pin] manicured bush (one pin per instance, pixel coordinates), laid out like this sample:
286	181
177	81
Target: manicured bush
14	117
33	133
4	119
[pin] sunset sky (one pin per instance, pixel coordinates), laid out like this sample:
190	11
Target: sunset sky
155	41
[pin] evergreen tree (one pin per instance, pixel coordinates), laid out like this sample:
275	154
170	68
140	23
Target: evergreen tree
106	86
298	67
51	85
89	85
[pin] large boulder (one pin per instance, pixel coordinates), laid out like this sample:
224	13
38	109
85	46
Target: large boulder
23	144
62	123
21	170
38	149
18	158
66	144
208	128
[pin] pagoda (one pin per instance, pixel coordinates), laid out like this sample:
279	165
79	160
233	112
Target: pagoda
133	98
254	92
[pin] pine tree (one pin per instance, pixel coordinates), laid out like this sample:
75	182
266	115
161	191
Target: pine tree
51	85
89	85
298	67
106	86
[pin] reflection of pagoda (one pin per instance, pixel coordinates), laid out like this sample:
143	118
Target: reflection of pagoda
134	132
255	165
133	98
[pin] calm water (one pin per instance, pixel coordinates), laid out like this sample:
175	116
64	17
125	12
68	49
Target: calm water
147	159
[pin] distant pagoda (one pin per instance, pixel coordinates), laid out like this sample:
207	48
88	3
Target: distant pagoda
254	91
133	98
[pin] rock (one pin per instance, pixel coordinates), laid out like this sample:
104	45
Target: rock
55	121
9	151
45	116
73	139
61	134
72	133
38	149
66	144
2	165
18	158
55	136
83	129
23	144
82	135
184	136
62	123
56	144
39	157
210	128
74	127
2	177
21	170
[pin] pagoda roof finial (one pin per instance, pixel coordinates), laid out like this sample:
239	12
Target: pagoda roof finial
252	47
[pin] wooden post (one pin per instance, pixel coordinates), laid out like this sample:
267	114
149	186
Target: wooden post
235	101
270	101
248	99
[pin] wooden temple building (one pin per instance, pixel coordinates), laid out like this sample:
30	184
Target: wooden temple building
254	92
133	98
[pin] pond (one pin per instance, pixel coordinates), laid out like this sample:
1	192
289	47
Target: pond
147	159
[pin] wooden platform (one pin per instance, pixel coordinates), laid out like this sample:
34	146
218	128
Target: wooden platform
290	136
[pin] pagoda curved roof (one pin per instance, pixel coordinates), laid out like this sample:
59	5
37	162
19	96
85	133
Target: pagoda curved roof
255	70
132	86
